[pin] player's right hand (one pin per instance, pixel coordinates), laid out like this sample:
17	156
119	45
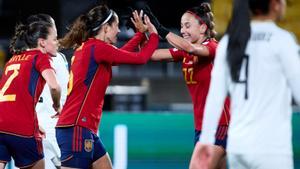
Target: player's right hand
57	108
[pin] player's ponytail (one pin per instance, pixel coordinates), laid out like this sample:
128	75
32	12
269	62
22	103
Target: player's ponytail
87	26
18	43
78	33
239	34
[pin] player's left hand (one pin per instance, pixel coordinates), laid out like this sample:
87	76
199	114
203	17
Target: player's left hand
137	21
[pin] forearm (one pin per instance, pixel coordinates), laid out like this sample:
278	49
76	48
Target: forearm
133	43
149	48
54	87
180	43
123	57
55	95
161	54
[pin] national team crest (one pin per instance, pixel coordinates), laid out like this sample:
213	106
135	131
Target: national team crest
88	145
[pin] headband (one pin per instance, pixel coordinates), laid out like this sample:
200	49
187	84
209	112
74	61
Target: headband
105	21
196	16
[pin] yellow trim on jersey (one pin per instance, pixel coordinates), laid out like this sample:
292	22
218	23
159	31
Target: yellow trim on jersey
86	96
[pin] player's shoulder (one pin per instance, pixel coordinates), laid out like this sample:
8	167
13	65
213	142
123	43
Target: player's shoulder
98	45
283	39
210	41
40	55
37	56
223	43
282	34
37	53
95	42
60	58
61	55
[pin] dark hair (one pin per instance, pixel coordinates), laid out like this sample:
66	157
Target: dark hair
259	7
239	32
205	15
26	36
39	17
88	25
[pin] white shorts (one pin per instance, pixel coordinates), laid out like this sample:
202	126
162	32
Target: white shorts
260	161
51	155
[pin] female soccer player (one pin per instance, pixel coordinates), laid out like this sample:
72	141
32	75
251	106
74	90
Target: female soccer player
93	35
196	51
44	106
258	64
20	87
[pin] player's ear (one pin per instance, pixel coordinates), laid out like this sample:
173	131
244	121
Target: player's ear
41	42
105	28
203	28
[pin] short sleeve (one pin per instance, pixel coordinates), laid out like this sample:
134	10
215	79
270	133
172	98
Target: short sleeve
211	46
177	54
43	62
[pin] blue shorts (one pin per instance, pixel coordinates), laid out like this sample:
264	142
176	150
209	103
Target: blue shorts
25	151
221	136
79	147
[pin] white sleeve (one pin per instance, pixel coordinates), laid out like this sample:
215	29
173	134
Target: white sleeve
216	96
290	60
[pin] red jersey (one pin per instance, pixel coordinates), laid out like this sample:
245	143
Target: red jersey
91	72
196	71
20	88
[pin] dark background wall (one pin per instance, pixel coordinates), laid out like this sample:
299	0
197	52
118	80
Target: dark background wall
65	11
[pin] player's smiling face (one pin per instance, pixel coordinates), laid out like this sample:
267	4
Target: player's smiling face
190	28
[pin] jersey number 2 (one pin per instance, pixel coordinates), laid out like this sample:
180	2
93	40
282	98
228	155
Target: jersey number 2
9	97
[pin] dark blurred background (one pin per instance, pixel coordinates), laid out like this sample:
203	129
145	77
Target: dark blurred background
151	82
65	11
154	86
